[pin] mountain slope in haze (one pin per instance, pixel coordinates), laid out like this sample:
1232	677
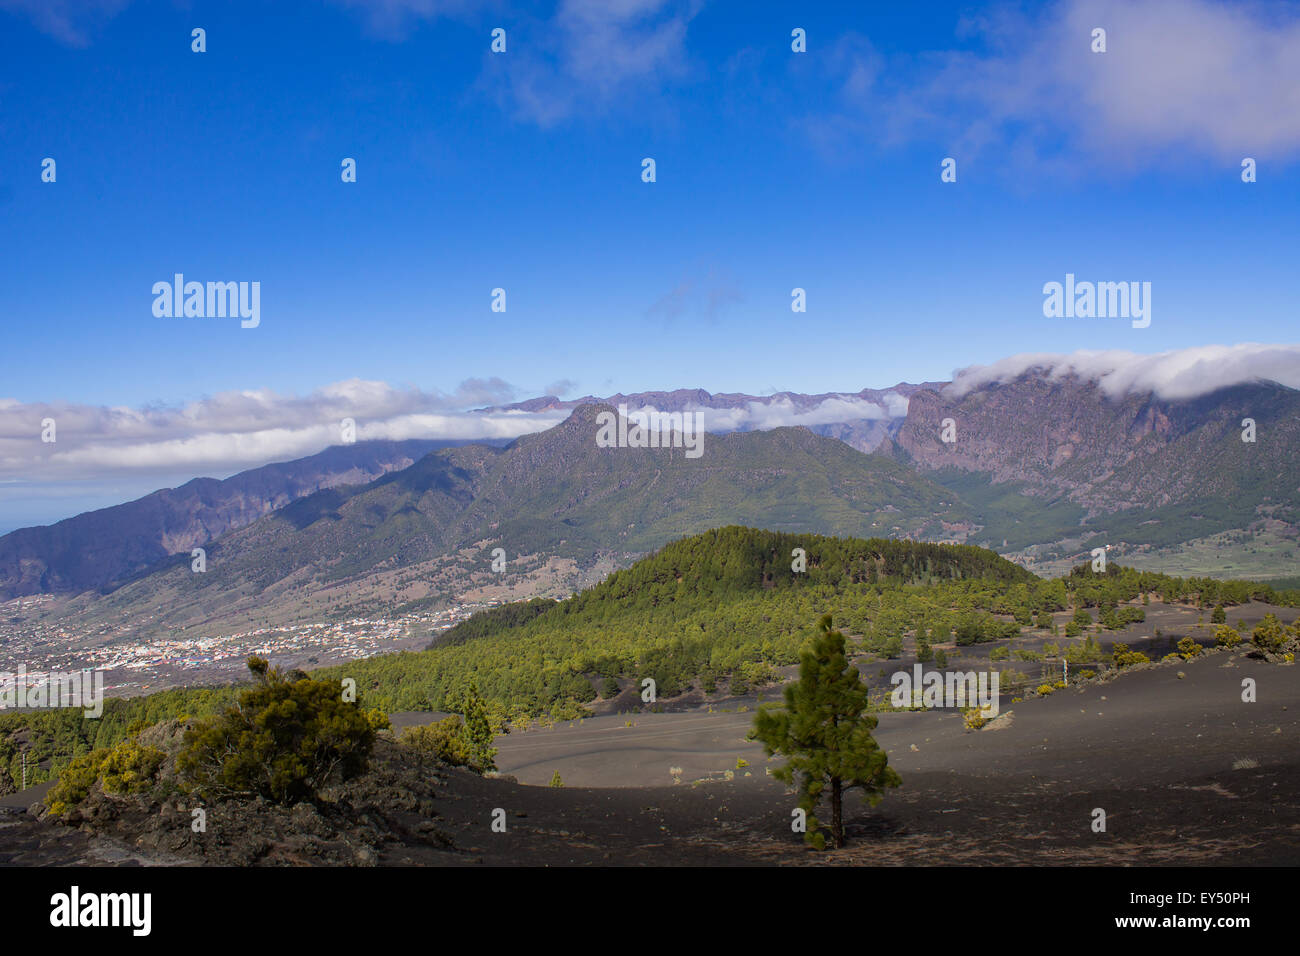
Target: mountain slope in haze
1152	470
553	493
101	548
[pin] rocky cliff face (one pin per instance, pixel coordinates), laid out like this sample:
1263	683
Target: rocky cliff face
1066	437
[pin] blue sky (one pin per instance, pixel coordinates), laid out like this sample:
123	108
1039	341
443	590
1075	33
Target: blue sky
522	171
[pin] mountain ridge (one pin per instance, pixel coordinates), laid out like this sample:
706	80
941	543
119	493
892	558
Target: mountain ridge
98	549
1089	464
553	496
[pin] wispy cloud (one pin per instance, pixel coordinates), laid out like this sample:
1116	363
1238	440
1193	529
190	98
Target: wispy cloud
591	55
395	19
1179	79
74	22
578	61
561	387
71	22
701	293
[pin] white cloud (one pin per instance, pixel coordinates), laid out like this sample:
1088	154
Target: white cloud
1173	376
242	429
1179	78
781	411
592	54
232	431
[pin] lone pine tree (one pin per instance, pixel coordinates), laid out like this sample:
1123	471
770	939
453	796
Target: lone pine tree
825	731
478	731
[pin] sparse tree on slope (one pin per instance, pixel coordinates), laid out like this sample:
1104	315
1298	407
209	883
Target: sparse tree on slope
478	731
825	731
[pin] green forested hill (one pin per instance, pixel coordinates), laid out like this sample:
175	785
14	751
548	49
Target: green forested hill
734	562
723	605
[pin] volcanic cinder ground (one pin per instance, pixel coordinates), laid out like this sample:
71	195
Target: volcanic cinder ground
1185	770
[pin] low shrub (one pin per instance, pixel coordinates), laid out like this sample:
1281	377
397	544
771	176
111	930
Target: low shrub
124	768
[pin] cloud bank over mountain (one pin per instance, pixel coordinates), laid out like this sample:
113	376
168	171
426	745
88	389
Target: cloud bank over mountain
1173	376
781	411
234	430
106	454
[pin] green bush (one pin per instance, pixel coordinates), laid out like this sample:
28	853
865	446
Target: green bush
284	741
1269	634
1123	657
1132	615
444	740
76	782
1225	636
1086	653
130	768
124	768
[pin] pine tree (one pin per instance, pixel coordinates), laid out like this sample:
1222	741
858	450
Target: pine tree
478	731
825	731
